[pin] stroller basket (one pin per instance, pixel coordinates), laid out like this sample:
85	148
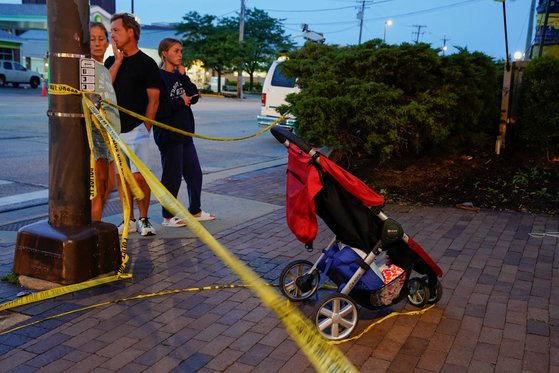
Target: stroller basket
390	292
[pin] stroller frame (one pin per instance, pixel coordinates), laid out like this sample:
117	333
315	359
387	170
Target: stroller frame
336	315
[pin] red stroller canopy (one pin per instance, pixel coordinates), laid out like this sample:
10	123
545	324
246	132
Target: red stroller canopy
304	182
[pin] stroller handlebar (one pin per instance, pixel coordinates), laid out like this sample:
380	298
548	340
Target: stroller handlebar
281	134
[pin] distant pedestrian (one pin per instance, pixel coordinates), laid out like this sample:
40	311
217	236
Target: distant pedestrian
136	81
178	154
104	165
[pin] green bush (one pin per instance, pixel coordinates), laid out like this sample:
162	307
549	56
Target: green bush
382	101
256	87
538	113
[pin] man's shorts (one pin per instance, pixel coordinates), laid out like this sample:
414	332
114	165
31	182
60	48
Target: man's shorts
138	141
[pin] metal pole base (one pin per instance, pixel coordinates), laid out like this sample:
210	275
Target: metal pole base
66	255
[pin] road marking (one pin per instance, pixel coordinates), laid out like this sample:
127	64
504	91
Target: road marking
4	182
24	197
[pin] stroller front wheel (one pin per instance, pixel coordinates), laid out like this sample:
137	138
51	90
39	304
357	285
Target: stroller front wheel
336	316
418	292
295	281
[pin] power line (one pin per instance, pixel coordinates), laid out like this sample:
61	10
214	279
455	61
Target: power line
307	10
398	15
425	10
342	30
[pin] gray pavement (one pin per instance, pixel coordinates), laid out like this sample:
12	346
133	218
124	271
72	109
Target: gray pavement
499	311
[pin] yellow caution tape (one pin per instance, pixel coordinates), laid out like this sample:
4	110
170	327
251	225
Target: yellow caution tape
56	292
125	176
393	314
190	134
63	89
205	288
141	296
92	177
324	357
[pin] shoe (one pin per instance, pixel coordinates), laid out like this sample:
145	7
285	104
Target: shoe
204	216
131	226
173	222
144	227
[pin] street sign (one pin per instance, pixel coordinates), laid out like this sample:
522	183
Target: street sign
87	74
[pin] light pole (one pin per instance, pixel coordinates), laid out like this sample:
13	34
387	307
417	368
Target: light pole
387	23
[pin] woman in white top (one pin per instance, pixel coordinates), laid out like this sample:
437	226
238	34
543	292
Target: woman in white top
104	165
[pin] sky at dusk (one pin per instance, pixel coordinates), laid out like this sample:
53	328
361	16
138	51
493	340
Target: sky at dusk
475	24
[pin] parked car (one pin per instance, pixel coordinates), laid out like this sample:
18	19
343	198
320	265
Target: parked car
276	86
13	72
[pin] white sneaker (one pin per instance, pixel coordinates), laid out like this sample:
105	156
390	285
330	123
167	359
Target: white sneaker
144	227
131	226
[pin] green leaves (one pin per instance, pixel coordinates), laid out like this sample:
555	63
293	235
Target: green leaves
383	101
538	113
216	41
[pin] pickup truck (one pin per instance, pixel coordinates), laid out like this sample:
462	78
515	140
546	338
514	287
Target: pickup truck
13	72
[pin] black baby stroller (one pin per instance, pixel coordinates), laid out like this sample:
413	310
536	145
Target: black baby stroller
363	235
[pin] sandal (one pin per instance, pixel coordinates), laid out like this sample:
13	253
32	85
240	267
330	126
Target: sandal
174	222
204	216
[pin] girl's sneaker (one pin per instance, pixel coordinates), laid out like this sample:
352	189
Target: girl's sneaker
145	228
131	226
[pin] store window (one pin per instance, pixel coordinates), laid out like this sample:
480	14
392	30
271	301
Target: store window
6	54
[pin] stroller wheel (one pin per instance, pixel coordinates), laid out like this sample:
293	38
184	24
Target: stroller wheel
295	281
435	298
336	316
418	292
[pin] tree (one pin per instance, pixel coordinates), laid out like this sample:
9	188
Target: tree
215	43
264	37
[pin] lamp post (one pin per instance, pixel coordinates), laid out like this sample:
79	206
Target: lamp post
387	23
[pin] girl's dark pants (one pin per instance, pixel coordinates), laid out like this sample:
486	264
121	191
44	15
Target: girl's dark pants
181	161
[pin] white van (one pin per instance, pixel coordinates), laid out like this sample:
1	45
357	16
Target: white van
276	86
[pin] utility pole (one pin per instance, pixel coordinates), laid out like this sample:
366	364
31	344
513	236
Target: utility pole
68	248
527	50
444	48
241	38
360	16
418	32
507	59
132	11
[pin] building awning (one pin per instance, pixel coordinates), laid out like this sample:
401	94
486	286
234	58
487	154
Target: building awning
8	40
23	16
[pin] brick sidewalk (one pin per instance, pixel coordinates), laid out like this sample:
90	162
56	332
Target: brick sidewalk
499	311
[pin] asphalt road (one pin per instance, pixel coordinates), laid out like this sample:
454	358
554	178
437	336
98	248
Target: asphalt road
24	146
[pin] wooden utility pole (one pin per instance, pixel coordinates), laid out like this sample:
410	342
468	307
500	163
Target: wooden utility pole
360	16
241	38
68	248
444	48
418	32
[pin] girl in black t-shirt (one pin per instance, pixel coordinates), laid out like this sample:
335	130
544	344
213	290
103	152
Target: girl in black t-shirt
178	154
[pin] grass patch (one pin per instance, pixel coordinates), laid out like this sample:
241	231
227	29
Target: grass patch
11	278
